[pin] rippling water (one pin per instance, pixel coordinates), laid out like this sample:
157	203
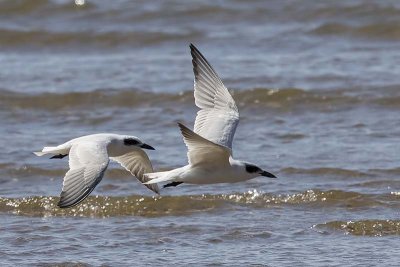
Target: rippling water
318	87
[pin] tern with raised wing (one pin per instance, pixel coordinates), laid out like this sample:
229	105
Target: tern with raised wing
210	144
88	160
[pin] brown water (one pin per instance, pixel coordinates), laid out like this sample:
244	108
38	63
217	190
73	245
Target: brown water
318	87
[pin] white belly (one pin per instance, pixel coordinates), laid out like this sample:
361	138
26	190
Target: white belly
199	175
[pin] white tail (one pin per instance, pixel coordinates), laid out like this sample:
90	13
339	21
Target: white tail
49	150
157	177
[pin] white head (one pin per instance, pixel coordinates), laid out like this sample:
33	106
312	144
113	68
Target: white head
118	145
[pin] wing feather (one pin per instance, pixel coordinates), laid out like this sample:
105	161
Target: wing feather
88	161
218	116
203	151
138	163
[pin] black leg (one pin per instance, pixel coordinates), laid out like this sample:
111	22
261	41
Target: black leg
59	156
172	184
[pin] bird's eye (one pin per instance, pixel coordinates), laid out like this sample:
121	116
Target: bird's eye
131	142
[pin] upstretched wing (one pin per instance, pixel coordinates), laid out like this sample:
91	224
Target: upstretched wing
203	151
138	163
87	162
218	116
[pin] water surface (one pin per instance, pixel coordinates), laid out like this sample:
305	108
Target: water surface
318	89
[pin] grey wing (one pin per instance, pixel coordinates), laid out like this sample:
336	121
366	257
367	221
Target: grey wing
219	116
138	163
88	161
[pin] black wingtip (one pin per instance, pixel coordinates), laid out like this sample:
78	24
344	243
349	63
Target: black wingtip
62	205
66	206
182	126
195	52
59	156
172	184
198	58
69	203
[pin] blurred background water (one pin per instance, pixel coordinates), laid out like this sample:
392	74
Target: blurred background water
318	88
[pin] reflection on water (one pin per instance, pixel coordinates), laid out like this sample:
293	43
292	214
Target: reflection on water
365	227
104	206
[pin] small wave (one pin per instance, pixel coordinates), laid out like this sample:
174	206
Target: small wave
316	198
105	206
291	136
361	10
101	97
378	184
375	31
326	172
288	97
283	98
28	171
389	102
364	227
392	171
64	264
48	7
84	39
24	7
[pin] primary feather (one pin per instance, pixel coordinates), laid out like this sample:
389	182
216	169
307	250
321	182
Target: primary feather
218	116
